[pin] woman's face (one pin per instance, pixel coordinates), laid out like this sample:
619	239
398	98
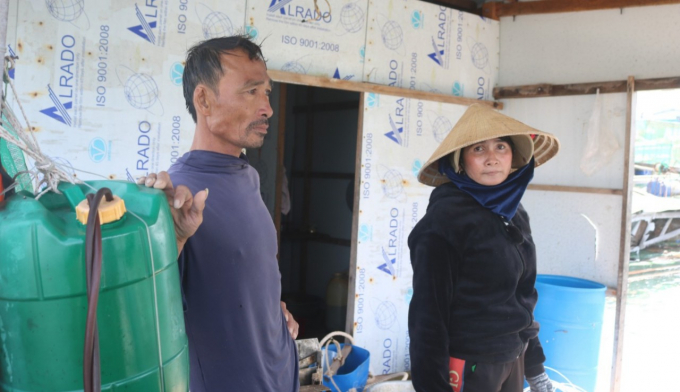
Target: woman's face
488	162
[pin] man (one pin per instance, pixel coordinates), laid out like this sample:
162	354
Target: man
240	334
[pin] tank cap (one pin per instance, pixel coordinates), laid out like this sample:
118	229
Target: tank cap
109	211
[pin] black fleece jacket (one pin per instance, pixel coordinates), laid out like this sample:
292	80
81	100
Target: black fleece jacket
473	289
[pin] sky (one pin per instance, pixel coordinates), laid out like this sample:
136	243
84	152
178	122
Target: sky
658	105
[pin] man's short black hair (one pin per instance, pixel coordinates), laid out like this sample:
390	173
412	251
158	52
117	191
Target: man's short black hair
203	65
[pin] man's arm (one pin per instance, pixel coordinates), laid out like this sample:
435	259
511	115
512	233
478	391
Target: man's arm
186	209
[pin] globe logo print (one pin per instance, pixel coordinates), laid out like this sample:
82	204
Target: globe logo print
392	184
65	10
385	315
141	91
293	66
217	24
480	55
440	128
417	165
392	35
417	20
176	72
98	149
352	18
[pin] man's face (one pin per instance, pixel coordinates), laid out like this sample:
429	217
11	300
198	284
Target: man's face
239	113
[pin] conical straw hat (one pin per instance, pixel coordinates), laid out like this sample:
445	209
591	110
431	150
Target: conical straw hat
480	123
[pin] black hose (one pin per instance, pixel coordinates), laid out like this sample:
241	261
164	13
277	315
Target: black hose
93	270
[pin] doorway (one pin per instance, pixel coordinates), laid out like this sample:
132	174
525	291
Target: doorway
315	199
654	269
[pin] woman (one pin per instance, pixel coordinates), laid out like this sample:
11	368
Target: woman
474	261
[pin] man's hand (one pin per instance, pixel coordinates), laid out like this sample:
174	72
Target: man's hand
290	321
187	210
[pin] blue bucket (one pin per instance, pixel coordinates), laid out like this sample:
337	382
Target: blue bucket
570	312
353	374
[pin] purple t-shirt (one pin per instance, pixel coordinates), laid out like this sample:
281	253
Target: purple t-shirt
231	284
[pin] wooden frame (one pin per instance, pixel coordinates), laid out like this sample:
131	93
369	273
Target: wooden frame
337	84
577	189
557	90
624	252
495	10
349	323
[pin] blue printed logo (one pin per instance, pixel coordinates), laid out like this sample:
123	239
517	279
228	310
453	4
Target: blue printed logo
439	41
60	109
417	165
390	255
145	28
417	19
458	89
388	265
98	149
336	75
176	72
252	32
408	296
13	55
278	5
372	100
395	133
303	13
438	55
65	92
365	233
129	176
482	90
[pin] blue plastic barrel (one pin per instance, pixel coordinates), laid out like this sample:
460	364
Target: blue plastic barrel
570	312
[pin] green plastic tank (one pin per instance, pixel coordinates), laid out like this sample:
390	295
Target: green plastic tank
43	303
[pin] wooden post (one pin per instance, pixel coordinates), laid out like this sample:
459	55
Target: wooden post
281	144
624	252
349	323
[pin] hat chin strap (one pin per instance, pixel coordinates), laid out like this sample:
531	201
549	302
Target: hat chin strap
455	159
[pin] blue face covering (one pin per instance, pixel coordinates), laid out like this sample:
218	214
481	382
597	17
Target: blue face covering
502	199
